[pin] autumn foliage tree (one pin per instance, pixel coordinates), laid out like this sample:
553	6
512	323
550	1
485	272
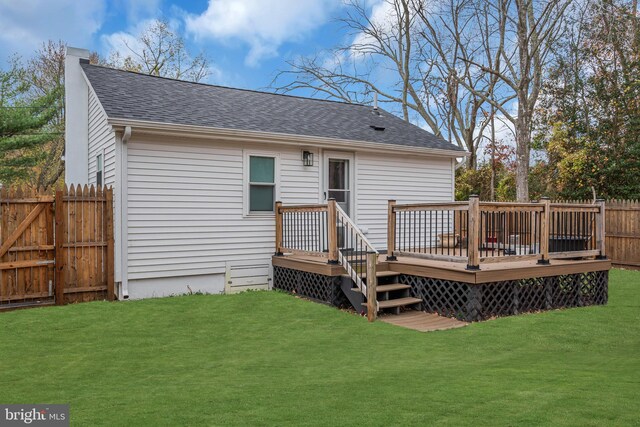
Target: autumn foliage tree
589	120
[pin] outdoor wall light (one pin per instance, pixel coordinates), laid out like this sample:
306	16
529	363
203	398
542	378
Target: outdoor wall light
307	158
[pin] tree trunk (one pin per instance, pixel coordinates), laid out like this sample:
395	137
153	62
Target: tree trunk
468	141
472	160
523	144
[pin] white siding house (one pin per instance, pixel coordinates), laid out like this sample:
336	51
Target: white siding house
182	179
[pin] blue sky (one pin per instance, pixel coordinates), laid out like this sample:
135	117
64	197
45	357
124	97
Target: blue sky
247	41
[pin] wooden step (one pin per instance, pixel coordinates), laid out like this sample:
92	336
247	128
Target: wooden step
382	274
399	302
387	288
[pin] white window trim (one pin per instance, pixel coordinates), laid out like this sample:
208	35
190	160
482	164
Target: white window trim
245	179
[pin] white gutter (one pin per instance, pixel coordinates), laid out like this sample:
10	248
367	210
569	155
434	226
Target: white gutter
158	128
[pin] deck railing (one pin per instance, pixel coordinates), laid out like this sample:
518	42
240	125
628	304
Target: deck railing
510	231
576	230
431	230
302	229
483	232
325	230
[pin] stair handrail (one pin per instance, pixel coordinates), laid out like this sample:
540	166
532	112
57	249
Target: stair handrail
368	289
342	214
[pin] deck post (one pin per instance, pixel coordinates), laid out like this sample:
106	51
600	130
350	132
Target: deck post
545	224
278	228
332	231
600	231
372	285
391	231
473	254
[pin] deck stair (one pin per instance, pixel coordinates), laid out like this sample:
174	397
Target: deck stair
359	258
393	297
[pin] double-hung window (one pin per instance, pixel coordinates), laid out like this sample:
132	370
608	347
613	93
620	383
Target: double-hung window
99	169
262	184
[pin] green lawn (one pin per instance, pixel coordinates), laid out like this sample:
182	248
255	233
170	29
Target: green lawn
267	358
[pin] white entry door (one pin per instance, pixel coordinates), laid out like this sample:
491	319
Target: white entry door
338	179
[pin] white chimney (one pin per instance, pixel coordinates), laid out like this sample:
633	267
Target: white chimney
76	97
375	101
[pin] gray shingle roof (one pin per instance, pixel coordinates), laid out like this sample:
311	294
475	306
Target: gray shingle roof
128	95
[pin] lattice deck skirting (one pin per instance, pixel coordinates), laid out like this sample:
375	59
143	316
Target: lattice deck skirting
310	285
483	301
465	301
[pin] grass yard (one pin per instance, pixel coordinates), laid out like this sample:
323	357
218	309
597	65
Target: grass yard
267	358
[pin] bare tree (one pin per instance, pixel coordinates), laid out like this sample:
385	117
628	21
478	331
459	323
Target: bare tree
450	32
45	74
523	35
347	72
160	51
423	45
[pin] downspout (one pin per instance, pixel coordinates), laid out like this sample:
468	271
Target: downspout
126	135
124	237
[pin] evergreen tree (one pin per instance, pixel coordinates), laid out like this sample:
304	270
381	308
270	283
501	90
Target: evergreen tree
24	125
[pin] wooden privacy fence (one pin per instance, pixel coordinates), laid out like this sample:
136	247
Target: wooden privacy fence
55	249
622	223
623	232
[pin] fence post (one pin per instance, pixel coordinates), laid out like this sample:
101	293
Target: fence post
59	248
111	286
600	231
372	285
391	231
332	231
279	231
473	254
545	224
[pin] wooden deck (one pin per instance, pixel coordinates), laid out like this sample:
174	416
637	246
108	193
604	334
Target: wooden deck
436	269
469	260
421	321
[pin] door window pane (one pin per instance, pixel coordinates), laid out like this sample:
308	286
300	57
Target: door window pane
338	174
341	196
261	198
261	169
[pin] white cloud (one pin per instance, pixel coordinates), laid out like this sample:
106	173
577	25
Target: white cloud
263	25
26	24
125	41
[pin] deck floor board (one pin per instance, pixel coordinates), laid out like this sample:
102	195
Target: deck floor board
421	321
